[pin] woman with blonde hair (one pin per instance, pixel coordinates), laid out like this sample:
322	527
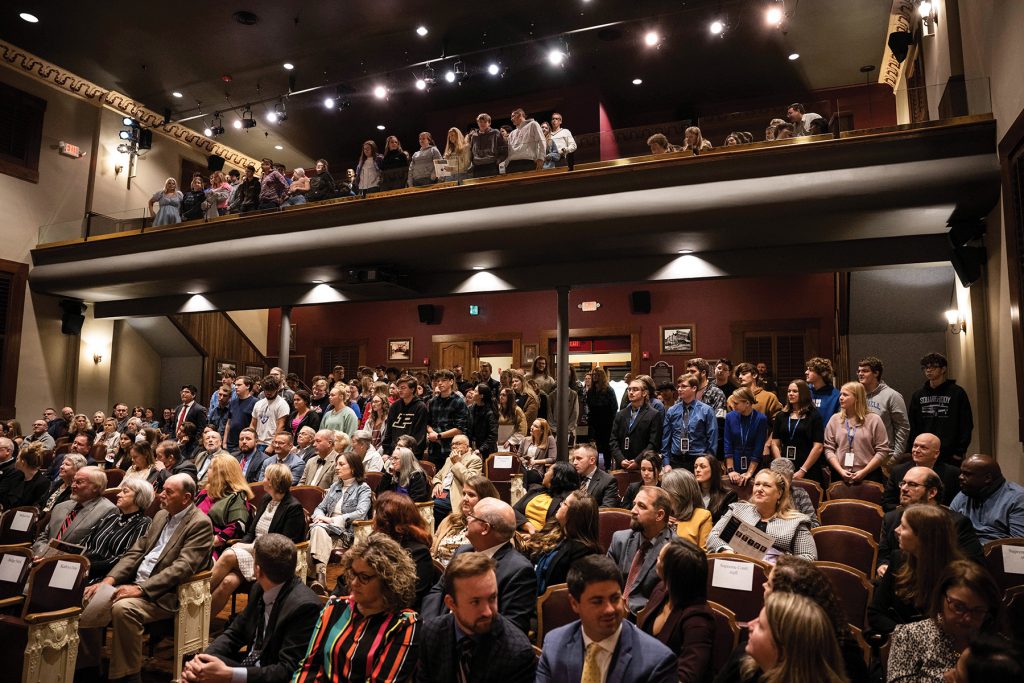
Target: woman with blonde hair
217	198
451	533
694	142
693	522
142	464
526	397
856	443
457	152
403	474
538	450
169	200
226	500
511	420
793	641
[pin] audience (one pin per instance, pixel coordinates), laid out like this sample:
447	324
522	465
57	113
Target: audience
227	501
690	427
635	550
746	432
650	475
72	521
924	453
249	457
885	402
170	461
994	505
571	535
114	534
394	166
169	201
856	444
407	416
598	483
941	407
347	501
281	452
798	433
451	532
635	429
25	482
990	659
60	491
319	469
404	474
461	464
448	418
368	175
692	521
801	499
538	507
707	470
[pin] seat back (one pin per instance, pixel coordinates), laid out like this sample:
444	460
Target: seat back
111	494
18	525
98	453
996	553
56	583
727	635
428	468
852	588
426	510
871	491
745	604
258	492
154	507
553	610
373	480
847	545
813	490
501	466
114	477
856	513
15	565
308	496
621	480
1014	601
610	520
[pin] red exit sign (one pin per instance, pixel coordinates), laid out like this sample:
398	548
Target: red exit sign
67	149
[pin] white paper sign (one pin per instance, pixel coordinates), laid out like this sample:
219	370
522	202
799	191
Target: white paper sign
64	575
11	566
737	576
503	462
750	542
1013	559
442	169
21	521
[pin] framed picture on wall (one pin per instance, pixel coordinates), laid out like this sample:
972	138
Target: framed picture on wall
400	350
529	353
225	366
679	339
255	371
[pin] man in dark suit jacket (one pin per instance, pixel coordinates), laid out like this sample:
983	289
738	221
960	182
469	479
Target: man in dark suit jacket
598	483
636	428
923	453
269	638
626	656
192	410
250	459
170	462
474	640
490	529
635	550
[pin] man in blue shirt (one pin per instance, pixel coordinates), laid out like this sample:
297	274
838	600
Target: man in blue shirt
994	506
691	428
239	411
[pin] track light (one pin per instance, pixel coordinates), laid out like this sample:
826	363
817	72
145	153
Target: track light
279	115
651	39
329	102
774	13
215	128
493	69
237	124
717	27
128	121
125	135
925	8
556	57
449	76
380	92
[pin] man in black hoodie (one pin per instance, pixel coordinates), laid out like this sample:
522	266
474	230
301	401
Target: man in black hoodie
488	148
942	408
408	415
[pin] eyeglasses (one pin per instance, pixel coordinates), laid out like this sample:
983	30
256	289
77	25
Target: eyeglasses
962	610
361	578
482	521
910	485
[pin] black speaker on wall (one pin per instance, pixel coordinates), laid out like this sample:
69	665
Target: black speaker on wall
640	302
71	318
215	162
428	314
968	263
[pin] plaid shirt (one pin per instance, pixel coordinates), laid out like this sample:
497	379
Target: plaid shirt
445	414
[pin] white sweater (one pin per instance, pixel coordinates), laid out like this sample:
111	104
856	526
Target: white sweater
526	142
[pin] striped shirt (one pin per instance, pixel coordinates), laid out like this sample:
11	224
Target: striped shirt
349	647
111	538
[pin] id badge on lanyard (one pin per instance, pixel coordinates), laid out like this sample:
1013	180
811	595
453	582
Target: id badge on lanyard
684	444
791	452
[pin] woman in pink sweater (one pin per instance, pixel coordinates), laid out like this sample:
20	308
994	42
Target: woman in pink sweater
856	443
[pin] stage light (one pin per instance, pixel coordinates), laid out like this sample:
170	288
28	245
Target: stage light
329	102
652	39
716	27
556	57
449	76
127	121
493	69
271	117
380	92
247	120
421	84
237	124
208	132
773	15
125	135
422	31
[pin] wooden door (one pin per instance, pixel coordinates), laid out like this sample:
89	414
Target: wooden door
448	354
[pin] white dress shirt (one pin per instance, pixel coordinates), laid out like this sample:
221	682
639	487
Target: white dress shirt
608	645
149	561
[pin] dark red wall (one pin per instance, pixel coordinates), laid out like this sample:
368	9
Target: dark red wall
710	304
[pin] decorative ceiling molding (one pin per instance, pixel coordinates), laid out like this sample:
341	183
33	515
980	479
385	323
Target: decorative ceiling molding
901	19
40	70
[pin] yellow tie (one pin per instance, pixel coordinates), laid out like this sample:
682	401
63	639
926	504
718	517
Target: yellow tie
591	667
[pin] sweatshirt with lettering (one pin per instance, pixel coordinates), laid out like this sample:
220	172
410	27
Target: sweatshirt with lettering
944	411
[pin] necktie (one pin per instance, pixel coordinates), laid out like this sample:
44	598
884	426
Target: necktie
585	483
68	520
466	648
253	657
634	569
244	464
181	417
591	667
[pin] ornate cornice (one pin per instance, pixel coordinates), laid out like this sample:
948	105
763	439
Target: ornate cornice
71	84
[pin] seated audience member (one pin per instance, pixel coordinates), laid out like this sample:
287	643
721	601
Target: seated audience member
602	645
784	131
170	461
25	483
492	525
746	431
635	550
109	438
204	458
475	642
122	458
538	451
451	532
146	578
362	444
265	643
650	475
142	464
659	144
707	470
250	459
994	505
572	534
800	119
279	513
60	491
770	131
990	659
599	484
371	634
319	470
770	509
187	440
856	443
227	501
80	445
966	601
404	474
74	519
348	500
801	499
677	612
928	543
694	142
923	453
818	126
921	485
461	464
112	536
39	434
322	185
283	454
538	507
690	520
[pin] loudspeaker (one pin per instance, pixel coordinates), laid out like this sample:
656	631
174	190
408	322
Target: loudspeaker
963	231
899	42
71	319
215	162
967	262
428	313
640	302
145	139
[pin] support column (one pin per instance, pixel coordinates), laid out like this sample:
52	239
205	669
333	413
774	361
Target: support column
563	373
286	339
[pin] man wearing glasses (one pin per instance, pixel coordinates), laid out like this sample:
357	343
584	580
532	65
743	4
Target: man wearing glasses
636	428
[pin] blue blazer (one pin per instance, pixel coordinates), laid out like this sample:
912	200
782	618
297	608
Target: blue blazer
638	658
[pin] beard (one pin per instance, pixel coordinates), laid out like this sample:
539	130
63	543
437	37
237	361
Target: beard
635	525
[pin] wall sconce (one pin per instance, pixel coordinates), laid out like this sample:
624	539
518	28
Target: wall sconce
97	358
956	323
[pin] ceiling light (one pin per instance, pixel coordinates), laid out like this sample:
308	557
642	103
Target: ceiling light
493	69
794	56
380	92
278	147
479	267
125	135
318	282
237	124
192	292
381	126
449	76
177	94
288	65
685	251
30	18
422	31
924	9
638	81
329	102
652	39
556	57
716	27
773	15
127	121
421	84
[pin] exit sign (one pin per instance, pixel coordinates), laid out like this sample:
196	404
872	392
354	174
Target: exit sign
69	150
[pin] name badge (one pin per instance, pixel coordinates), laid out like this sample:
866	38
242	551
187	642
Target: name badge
743	463
848	460
791	452
684	445
625	443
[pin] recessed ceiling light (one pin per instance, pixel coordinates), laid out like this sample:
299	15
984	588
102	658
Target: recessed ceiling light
652	39
479	268
192	291
318	282
422	31
381	126
30	18
278	147
288	65
177	94
794	56
380	92
638	81
685	251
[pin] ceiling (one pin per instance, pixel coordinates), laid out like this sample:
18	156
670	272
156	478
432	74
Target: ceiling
150	51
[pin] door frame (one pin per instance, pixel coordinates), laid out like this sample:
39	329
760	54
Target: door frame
632	331
435	356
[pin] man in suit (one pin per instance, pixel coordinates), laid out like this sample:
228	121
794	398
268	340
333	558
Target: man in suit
598	483
461	464
80	445
146	579
73	520
636	428
924	453
635	550
319	470
474	642
491	527
211	447
265	643
602	645
169	462
249	458
922	485
190	410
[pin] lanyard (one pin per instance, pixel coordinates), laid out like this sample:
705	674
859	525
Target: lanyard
632	419
793	428
743	434
850	434
686	420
